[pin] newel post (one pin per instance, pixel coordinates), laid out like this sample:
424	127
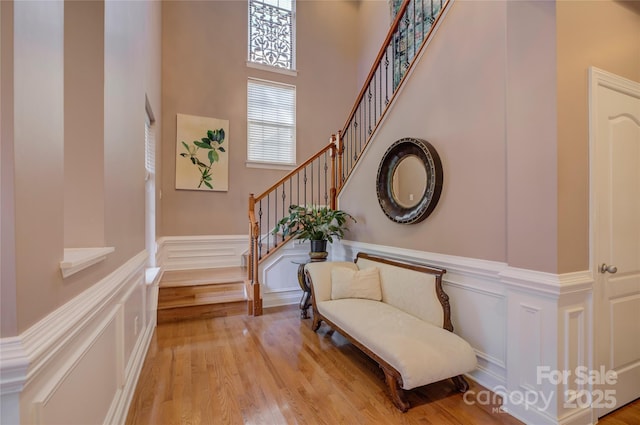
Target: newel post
254	306
251	216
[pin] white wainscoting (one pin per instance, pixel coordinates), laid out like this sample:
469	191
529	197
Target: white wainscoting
80	364
201	252
517	320
279	274
478	301
89	352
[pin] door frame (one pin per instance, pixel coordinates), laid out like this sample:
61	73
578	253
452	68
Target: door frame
597	78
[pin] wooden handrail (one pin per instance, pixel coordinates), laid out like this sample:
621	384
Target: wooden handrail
374	67
294	172
259	250
260	245
445	4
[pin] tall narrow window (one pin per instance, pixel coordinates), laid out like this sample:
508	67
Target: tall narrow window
271	123
149	147
150	185
272	33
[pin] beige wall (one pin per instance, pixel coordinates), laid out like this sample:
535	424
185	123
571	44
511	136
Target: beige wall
512	128
204	73
131	43
604	34
455	100
530	113
8	322
83	124
374	20
39	174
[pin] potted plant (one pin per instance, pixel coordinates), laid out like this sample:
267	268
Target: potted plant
315	224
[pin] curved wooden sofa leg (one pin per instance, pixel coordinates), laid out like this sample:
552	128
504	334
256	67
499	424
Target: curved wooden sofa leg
316	322
396	392
461	384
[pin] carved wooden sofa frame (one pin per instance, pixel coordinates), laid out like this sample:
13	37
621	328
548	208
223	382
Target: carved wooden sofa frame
393	377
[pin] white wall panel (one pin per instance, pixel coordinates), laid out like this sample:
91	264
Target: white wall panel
201	252
72	397
516	320
84	358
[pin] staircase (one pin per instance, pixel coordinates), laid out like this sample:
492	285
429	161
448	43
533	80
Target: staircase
318	181
201	294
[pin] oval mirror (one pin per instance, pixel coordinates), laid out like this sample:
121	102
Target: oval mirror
409	180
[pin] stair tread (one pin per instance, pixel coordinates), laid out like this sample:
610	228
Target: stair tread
201	301
221	275
182	296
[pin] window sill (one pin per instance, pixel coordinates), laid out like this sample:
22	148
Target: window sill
151	275
270	165
76	259
269	68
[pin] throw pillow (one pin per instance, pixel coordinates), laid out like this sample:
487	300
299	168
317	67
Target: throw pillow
348	283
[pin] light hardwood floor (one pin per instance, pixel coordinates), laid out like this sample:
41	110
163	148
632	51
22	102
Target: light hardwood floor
273	369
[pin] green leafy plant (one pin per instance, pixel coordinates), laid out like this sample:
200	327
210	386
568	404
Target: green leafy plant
211	143
314	223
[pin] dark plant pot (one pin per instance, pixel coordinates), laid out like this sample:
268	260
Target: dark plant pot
318	250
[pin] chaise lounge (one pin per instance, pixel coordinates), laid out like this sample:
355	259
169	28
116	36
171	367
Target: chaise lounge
396	313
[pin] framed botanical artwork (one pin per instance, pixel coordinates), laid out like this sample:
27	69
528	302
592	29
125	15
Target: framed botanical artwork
202	153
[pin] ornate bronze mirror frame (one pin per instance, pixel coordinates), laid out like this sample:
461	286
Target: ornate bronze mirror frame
409	180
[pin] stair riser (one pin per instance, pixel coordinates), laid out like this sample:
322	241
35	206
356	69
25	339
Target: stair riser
202	312
199	295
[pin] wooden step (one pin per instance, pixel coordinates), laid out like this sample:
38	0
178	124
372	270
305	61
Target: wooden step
203	293
184	296
207	311
174	278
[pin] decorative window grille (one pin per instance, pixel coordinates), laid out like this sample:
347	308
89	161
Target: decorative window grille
271	123
271	33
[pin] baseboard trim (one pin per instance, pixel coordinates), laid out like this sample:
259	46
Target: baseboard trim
276	299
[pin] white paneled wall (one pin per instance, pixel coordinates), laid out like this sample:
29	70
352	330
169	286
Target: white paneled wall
80	364
201	252
517	321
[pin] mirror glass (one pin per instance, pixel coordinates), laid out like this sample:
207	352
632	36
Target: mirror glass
409	181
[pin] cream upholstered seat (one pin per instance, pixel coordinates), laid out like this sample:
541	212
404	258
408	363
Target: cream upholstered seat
421	352
408	332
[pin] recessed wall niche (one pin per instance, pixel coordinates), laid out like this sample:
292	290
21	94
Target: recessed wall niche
84	124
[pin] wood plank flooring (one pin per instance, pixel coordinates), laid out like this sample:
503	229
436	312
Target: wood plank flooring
201	294
273	369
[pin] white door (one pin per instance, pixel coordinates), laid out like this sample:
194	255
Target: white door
615	127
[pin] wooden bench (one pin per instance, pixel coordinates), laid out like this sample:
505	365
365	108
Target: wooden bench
405	325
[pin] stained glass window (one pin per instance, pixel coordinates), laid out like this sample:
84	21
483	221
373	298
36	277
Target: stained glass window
415	24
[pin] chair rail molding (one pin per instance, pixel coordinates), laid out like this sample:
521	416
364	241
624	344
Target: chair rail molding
97	340
517	320
14	363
